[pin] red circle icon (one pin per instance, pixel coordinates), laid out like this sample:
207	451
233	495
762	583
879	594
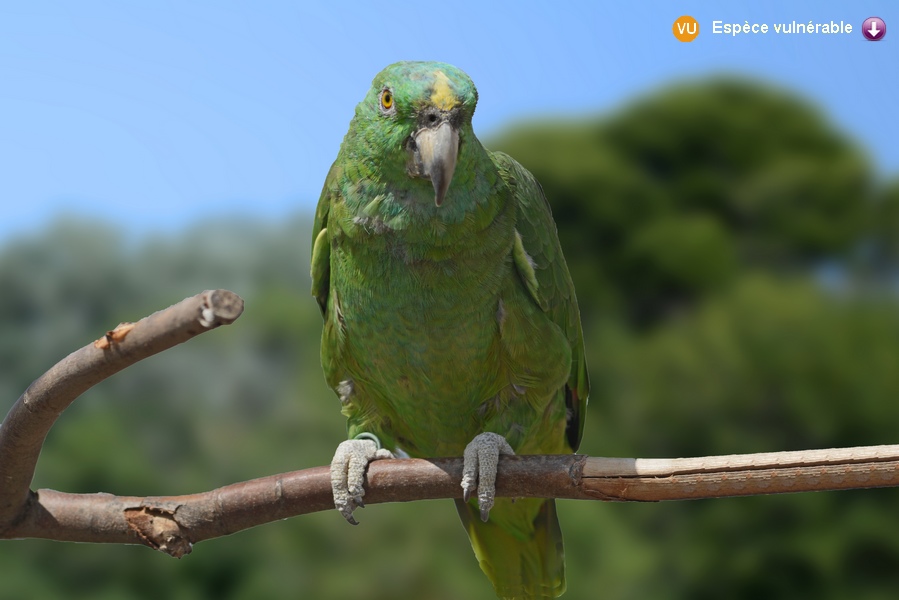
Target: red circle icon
874	29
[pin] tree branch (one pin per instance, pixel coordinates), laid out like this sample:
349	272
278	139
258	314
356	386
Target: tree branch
25	427
173	524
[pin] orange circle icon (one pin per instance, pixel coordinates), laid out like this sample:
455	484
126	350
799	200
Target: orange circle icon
686	28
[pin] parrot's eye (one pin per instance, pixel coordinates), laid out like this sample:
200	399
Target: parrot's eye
386	100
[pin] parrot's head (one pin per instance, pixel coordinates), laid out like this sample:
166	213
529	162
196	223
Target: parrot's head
415	122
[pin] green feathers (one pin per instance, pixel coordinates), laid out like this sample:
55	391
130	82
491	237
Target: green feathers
448	307
521	562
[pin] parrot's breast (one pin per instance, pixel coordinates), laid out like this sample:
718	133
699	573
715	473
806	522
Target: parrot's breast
424	341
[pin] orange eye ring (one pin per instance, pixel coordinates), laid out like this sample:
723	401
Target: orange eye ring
386	100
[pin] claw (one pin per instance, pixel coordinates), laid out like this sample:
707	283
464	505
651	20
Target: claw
479	468
348	473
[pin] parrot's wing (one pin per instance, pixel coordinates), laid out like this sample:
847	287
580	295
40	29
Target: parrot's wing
321	243
554	292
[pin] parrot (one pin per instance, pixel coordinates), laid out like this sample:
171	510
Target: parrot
450	322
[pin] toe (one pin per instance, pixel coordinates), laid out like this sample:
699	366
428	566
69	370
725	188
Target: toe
480	462
348	473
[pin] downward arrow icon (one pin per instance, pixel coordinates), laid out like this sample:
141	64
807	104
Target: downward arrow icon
874	29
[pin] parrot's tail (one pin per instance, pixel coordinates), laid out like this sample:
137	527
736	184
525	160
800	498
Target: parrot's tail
519	548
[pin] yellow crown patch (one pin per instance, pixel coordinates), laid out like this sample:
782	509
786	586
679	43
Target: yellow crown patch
443	97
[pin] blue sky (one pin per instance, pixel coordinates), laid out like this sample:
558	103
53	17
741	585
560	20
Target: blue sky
154	115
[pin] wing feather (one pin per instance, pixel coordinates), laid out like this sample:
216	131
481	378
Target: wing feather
321	243
555	290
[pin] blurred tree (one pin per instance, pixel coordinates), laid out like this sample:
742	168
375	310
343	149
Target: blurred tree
880	255
661	203
772	364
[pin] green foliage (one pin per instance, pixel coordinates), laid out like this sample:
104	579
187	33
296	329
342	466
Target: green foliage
758	176
678	256
695	222
881	253
770	365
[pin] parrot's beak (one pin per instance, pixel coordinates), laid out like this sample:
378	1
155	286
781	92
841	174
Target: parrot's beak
435	149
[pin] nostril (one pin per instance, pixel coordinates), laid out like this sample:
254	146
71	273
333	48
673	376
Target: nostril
432	118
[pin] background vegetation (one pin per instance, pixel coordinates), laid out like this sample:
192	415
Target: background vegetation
735	259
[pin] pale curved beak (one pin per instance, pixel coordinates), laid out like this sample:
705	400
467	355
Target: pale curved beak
436	150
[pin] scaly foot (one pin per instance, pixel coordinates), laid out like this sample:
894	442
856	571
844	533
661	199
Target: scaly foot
479	468
348	472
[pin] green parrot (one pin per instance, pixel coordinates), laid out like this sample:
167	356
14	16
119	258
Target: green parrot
451	325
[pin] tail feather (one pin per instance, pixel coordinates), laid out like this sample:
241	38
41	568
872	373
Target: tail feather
519	548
